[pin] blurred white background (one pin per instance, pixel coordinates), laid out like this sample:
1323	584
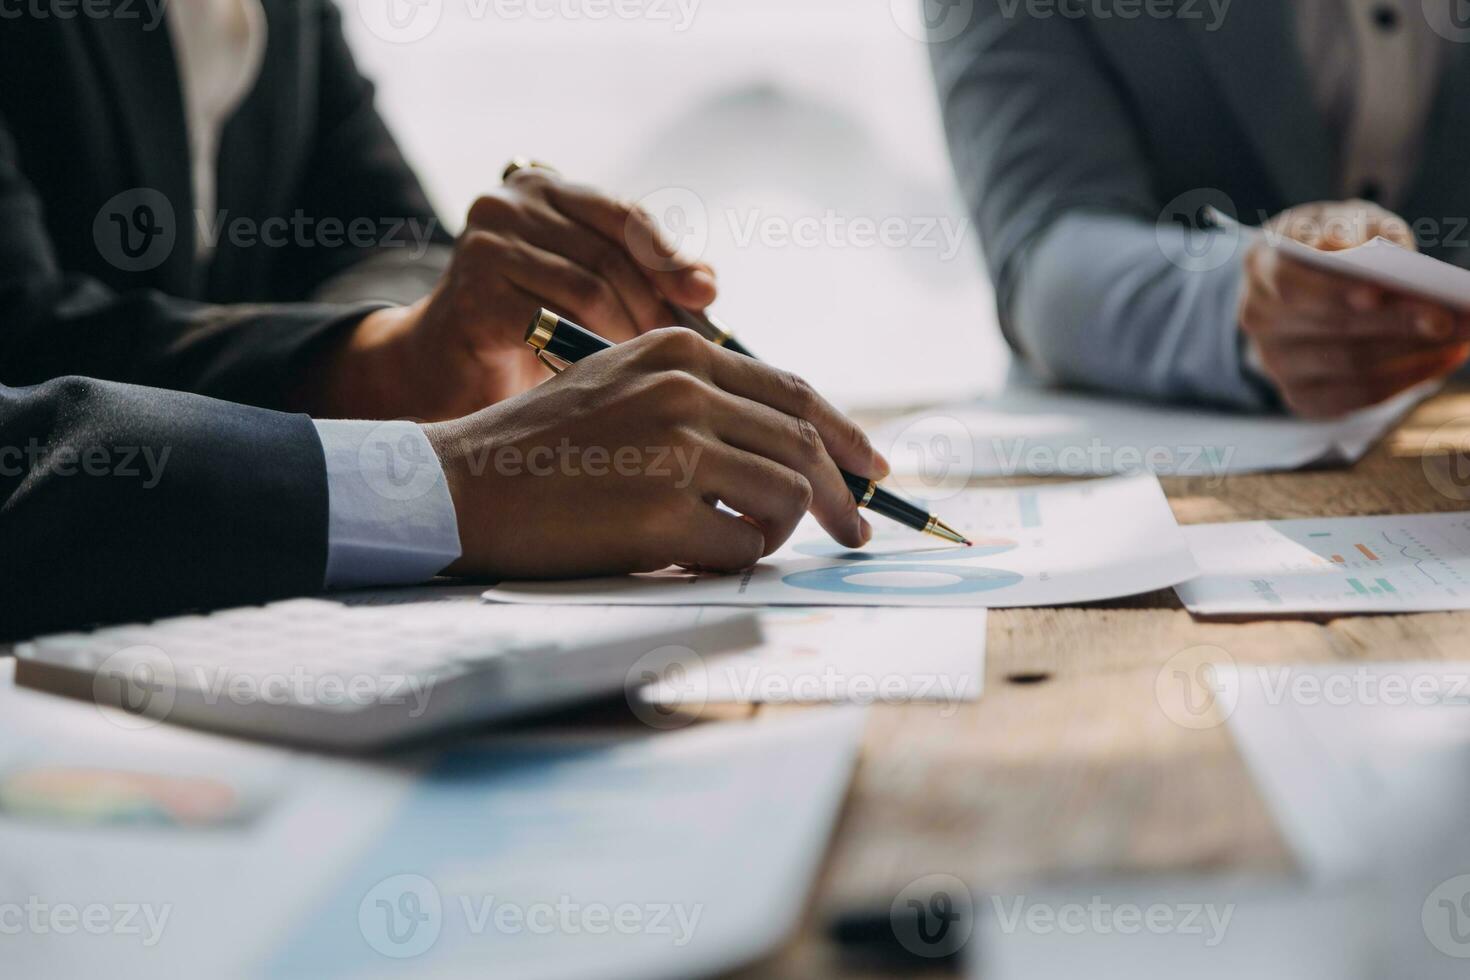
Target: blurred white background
794	144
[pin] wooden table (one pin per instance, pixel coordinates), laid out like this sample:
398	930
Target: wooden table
1070	762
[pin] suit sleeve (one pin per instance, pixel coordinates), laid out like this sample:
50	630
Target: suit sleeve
121	503
1095	286
356	169
56	322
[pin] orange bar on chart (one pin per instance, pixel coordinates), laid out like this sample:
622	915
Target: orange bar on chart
1339	559
1367	552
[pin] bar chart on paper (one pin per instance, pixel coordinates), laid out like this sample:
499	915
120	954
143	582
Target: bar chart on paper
1412	563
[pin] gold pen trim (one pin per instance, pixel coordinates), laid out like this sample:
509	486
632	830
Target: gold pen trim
868	496
940	529
542	329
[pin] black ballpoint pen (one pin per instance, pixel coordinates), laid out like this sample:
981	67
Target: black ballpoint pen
551	335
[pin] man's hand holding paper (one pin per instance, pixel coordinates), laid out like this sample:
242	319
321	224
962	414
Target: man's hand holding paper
1332	343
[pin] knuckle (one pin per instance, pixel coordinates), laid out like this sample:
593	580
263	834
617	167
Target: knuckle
752	548
803	395
679	393
799	494
809	438
483	246
680	345
490	209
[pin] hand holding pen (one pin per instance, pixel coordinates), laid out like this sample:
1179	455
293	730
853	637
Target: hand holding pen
554	336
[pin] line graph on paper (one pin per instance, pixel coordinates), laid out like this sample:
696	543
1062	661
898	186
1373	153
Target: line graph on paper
1409	562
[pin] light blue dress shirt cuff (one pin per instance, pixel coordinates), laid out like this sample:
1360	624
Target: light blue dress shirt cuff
391	519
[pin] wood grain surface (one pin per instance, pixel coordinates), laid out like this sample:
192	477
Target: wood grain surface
1082	756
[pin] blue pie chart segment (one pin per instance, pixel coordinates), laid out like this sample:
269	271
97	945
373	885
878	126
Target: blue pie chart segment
870	578
982	548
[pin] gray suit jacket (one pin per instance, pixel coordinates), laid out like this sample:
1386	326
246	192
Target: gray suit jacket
1086	144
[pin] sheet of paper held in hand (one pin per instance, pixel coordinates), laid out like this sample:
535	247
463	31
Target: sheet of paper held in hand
1034	546
1385	264
1028	430
1379	261
1391	564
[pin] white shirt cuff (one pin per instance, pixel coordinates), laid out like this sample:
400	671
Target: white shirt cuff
391	520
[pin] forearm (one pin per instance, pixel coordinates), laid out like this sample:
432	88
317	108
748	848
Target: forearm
120	503
53	325
396	276
1111	302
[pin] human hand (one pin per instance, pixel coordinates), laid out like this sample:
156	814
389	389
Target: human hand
616	465
1333	344
536	241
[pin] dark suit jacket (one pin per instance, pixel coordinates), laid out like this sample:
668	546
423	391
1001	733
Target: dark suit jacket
98	274
1086	143
119	502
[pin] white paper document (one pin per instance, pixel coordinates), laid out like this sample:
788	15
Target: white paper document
1378	261
1031	431
1050	545
856	655
162	852
547	858
1173	928
1382	262
1351	758
1392	564
1366	769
